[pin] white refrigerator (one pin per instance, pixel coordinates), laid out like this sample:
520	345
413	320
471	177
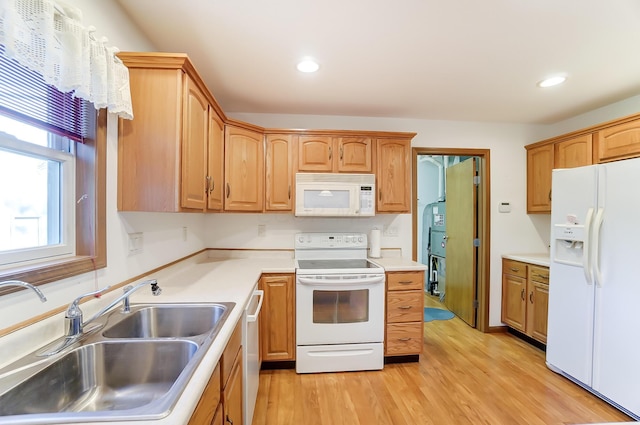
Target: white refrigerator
594	290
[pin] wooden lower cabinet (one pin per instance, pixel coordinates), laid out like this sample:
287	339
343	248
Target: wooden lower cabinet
232	394
404	313
221	400
538	302
278	318
525	298
218	418
209	401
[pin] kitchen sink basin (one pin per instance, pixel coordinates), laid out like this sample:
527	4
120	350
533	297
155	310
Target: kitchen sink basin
103	376
167	321
135	369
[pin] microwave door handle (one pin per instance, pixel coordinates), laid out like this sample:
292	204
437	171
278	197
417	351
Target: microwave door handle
346	282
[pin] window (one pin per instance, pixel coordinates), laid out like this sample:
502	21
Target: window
52	175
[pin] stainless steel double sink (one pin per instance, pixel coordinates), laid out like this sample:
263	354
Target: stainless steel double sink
135	366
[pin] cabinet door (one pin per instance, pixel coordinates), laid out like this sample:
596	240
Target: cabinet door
619	142
279	172
232	394
215	180
393	175
244	170
315	154
539	166
193	185
277	332
538	311
209	401
354	154
574	152
149	146
514	307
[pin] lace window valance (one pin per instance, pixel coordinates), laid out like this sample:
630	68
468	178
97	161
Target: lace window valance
47	36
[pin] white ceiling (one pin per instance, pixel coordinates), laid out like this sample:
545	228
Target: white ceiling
467	60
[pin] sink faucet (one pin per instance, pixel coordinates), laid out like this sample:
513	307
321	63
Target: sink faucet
73	316
24	285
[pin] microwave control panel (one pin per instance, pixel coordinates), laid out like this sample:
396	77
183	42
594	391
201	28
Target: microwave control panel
367	200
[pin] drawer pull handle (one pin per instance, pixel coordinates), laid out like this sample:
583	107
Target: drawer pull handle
405	282
229	420
404	307
531	297
513	269
405	339
522	294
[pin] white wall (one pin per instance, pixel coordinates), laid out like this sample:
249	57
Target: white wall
162	233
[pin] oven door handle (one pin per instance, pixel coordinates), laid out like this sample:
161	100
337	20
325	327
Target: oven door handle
346	282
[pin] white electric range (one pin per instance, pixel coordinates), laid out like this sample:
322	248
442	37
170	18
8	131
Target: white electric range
339	304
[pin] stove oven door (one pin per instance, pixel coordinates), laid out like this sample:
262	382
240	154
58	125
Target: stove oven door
339	309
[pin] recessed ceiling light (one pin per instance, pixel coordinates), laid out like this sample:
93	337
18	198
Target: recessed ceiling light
308	65
553	81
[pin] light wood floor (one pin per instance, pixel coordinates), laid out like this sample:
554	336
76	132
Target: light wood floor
463	377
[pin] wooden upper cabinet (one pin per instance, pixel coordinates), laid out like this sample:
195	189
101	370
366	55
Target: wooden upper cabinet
354	154
215	173
393	175
315	154
279	172
193	193
163	151
619	141
244	169
574	152
539	166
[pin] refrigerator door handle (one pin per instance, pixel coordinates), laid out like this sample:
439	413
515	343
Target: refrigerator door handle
596	243
586	246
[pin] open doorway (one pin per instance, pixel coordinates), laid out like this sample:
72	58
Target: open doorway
450	228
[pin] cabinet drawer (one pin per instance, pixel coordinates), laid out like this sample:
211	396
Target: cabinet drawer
404	306
404	281
403	338
514	268
539	274
230	353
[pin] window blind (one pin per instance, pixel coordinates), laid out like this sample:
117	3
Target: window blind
26	97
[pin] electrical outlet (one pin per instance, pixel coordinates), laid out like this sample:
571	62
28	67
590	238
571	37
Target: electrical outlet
390	231
185	233
135	243
262	230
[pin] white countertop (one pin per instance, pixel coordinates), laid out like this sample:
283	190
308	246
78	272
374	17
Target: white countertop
199	279
204	278
391	264
539	259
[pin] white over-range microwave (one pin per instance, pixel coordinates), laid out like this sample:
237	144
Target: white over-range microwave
335	195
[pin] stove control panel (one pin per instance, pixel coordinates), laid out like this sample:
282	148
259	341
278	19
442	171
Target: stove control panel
330	240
